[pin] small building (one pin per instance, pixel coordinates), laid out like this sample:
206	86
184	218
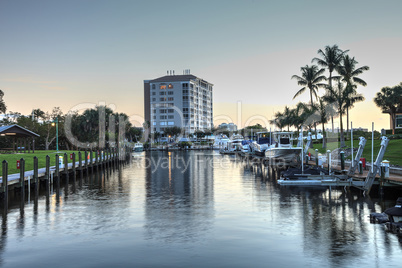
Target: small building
231	127
22	138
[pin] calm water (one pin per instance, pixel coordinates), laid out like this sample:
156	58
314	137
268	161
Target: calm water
195	209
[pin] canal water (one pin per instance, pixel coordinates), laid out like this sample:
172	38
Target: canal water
195	209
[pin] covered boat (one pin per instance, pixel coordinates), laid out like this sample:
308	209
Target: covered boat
395	217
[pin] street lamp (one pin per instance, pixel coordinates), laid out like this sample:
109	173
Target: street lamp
56	122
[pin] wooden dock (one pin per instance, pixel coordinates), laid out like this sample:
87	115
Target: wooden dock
87	162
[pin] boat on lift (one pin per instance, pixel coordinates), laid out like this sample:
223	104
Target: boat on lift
282	148
262	143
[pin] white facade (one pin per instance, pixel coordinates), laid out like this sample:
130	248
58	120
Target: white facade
184	101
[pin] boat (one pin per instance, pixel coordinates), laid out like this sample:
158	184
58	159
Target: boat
262	143
282	148
221	142
245	145
395	218
233	146
138	147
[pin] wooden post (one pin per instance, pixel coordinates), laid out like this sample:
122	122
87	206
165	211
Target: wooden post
80	160
47	174
25	145
22	175
57	172
86	161
90	160
66	168
74	167
97	159
5	183
36	177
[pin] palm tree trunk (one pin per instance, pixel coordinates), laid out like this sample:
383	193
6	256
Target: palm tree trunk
330	86
342	135
324	142
347	122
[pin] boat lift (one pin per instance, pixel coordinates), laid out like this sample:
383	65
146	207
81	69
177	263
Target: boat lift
342	180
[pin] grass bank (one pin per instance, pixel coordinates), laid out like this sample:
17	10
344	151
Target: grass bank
41	155
392	154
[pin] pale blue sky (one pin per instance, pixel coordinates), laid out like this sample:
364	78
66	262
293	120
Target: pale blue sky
65	53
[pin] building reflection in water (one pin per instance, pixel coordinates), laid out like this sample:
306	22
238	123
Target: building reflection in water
179	202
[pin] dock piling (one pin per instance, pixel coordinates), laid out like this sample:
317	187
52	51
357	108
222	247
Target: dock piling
5	183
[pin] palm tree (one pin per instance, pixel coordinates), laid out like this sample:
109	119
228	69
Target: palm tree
339	96
331	58
390	101
310	79
278	121
349	74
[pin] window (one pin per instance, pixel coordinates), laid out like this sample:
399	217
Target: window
170	86
185	85
185	91
162	86
170	99
162	111
162	99
398	120
153	99
154	111
171	117
185	97
154	117
153	86
170	123
170	93
185	110
162	93
153	93
162	123
163	117
170	110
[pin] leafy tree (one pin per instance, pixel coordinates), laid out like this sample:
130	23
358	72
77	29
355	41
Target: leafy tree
173	131
199	134
389	99
3	107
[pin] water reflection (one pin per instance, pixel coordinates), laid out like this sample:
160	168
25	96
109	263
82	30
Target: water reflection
229	211
179	196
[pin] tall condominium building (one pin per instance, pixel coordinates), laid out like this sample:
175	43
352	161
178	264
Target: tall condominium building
184	101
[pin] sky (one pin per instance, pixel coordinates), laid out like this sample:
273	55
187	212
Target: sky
77	54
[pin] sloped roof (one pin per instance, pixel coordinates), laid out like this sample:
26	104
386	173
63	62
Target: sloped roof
16	130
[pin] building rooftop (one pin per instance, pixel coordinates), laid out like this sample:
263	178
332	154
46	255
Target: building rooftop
175	78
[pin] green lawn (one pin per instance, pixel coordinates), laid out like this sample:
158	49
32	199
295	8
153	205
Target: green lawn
393	152
41	155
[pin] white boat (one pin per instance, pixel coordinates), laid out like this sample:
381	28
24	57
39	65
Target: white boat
138	147
282	148
221	142
234	145
262	143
